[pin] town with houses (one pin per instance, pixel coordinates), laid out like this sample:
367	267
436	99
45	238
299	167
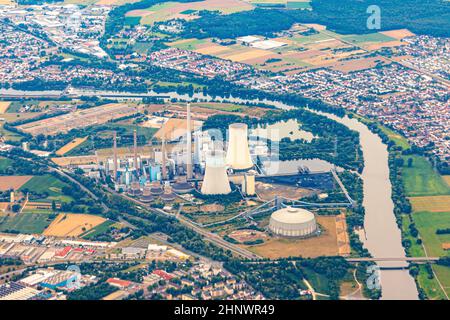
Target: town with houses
187	279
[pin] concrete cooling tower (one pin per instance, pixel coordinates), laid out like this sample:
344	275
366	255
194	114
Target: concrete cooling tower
215	180
238	153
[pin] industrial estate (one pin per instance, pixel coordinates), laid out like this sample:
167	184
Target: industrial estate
189	150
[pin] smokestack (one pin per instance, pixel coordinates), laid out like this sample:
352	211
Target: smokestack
135	151
189	143
238	153
163	151
115	154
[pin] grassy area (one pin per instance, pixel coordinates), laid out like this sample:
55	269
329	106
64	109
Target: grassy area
427	223
298	5
319	283
397	138
26	222
100	229
188	44
47	184
443	273
416	250
5	163
371	37
221	106
421	179
430	286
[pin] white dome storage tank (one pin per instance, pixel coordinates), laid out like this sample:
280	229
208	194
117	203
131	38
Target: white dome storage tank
293	222
215	180
238	153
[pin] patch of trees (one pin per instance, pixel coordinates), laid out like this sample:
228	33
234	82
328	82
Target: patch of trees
281	280
39	84
443	231
10	262
92	292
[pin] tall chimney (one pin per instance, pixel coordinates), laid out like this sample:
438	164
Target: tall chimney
135	151
163	154
189	143
115	154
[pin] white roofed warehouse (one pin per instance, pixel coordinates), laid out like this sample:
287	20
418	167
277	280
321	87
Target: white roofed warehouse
293	222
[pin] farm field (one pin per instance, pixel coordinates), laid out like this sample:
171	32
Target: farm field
26	222
303	50
71	145
4	105
421	180
447	180
323	245
187	11
13	182
72	225
48	186
431	204
427	223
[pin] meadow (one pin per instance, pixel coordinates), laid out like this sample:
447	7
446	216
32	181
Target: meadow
421	179
427	223
48	185
26	222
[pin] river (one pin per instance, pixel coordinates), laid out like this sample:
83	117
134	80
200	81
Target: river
382	235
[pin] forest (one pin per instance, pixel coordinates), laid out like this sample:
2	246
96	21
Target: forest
430	17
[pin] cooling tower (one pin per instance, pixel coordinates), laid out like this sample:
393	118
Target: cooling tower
215	180
238	153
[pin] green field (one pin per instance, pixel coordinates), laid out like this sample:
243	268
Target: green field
421	179
430	286
371	37
427	223
188	45
443	273
298	5
100	229
221	106
25	222
132	21
5	163
49	185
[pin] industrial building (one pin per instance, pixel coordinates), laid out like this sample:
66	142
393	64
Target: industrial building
293	222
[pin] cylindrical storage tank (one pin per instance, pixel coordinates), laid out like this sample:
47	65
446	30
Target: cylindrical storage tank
293	222
250	184
238	153
215	180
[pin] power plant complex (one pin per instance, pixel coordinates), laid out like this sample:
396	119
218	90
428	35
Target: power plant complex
162	174
196	164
